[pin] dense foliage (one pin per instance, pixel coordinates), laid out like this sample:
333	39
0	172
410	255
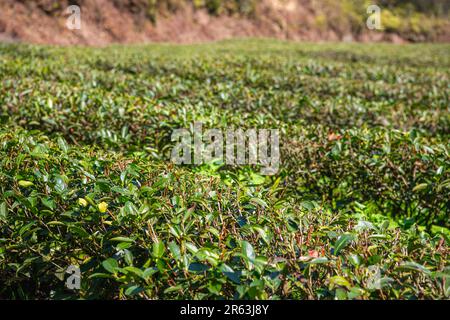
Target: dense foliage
358	210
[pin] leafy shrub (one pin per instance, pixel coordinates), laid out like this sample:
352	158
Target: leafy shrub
85	177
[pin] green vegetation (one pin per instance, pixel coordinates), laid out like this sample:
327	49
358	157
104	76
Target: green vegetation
86	179
414	21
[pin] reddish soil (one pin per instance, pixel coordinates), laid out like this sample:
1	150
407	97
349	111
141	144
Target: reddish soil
104	22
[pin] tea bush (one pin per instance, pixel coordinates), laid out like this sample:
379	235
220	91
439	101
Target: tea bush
358	210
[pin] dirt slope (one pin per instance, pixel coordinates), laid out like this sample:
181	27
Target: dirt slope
127	21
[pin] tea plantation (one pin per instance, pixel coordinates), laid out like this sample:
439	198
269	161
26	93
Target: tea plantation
359	208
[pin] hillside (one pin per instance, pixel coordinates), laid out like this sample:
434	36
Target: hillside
187	21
